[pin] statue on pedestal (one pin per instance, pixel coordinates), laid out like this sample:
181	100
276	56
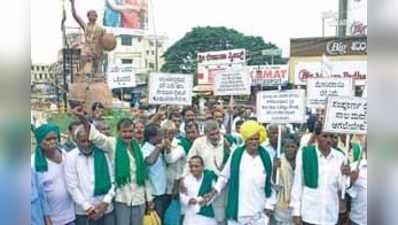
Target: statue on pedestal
96	40
90	84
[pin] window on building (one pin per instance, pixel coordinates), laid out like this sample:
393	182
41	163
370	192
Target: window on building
153	52
127	61
126	40
151	43
151	65
40	76
42	68
147	52
32	67
146	63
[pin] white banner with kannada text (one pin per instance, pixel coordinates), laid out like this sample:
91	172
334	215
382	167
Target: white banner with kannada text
121	76
170	89
319	89
281	106
346	115
232	82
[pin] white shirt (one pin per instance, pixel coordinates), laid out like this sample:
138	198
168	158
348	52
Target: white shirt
271	151
212	155
320	205
130	194
80	179
62	210
191	211
175	160
252	176
359	194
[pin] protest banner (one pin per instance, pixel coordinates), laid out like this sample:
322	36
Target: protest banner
281	106
170	89
121	76
346	115
211	63
319	89
269	75
232	82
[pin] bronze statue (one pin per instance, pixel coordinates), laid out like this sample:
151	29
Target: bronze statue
92	51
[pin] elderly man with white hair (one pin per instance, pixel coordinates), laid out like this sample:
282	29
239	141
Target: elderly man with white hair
89	180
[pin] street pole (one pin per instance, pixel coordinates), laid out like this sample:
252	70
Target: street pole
342	18
323	26
156	54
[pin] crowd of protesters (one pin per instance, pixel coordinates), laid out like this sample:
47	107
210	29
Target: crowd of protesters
219	163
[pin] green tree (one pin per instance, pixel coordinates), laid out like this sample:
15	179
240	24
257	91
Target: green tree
182	56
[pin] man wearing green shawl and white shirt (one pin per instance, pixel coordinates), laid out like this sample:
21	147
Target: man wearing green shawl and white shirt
48	161
248	174
132	185
317	182
211	148
89	178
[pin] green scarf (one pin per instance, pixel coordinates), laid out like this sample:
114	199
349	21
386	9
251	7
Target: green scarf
310	166
186	144
102	179
122	163
233	193
40	134
356	151
205	187
227	152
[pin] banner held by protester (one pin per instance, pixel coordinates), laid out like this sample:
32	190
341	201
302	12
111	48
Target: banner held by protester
171	89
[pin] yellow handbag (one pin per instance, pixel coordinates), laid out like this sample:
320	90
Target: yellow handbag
151	218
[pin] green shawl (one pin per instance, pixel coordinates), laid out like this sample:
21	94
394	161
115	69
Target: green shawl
186	144
102	179
227	152
356	151
205	187
310	166
40	134
122	163
233	192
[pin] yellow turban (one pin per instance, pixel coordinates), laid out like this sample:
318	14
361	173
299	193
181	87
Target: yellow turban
250	128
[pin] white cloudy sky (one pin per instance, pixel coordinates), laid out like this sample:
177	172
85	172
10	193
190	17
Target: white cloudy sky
275	20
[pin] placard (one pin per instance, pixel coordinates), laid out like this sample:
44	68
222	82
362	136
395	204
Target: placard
170	89
319	89
232	82
121	76
346	115
281	106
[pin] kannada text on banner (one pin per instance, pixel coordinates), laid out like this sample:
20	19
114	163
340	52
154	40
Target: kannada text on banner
319	89
347	115
281	106
232	82
171	89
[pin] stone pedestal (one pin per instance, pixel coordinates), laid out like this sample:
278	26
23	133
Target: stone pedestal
94	91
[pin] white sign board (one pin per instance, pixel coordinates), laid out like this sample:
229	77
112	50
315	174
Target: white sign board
232	82
351	69
233	56
281	106
121	76
270	75
346	115
170	89
319	89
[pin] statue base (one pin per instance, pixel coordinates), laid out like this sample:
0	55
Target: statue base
97	90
